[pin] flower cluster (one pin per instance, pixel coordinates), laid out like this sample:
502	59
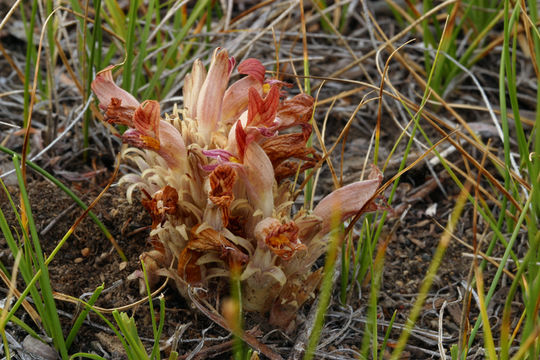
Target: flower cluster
213	177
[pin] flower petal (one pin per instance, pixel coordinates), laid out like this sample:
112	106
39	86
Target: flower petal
262	112
116	113
172	147
209	240
291	298
236	98
254	68
296	111
262	281
259	178
146	123
347	201
218	154
147	117
164	201
287	146
139	139
210	98
192	86
153	261
187	266
106	89
152	133
281	239
240	137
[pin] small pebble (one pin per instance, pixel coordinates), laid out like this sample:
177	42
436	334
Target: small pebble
85	252
78	260
38	349
122	265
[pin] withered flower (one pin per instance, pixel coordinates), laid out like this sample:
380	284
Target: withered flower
222	180
281	239
164	201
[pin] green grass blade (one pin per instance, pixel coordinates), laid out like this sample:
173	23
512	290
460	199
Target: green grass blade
30	57
488	337
387	334
25	327
25	266
155	330
237	322
90	74
80	319
50	318
502	264
335	239
195	14
117	18
130	45
143	46
345	268
86	355
135	348
157	335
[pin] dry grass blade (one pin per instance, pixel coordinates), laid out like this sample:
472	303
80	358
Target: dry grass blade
251	10
9	14
69	69
77	301
393	39
12	63
11	284
474	141
320	139
336	143
413	164
24	151
479	253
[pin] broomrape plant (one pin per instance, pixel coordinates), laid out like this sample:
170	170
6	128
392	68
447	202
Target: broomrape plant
214	179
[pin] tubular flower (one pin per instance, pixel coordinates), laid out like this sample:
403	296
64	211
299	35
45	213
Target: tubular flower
214	180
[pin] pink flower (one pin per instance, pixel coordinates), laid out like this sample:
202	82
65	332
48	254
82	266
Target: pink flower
214	178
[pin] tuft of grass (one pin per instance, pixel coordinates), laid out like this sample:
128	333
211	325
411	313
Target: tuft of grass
28	250
335	241
134	347
514	208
